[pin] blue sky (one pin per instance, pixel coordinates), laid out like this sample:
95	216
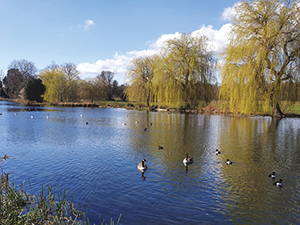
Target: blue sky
103	35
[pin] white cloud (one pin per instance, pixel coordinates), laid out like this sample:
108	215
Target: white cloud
217	38
116	65
226	15
88	23
229	12
119	63
162	39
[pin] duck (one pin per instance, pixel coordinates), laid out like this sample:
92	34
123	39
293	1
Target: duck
142	166
187	159
150	124
145	129
160	147
278	183
124	124
218	152
272	175
228	162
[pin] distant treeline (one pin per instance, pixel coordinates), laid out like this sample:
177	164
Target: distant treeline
57	84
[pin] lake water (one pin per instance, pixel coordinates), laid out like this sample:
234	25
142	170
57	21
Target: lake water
98	161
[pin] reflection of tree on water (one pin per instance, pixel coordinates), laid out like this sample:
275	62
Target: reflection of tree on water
259	146
275	122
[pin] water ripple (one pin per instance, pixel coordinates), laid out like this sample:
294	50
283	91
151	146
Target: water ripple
96	156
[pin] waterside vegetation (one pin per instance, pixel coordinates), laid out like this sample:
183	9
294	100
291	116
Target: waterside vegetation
19	207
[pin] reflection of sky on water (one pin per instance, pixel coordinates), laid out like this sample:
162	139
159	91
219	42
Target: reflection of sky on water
98	161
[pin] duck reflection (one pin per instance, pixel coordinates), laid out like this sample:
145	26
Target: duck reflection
186	168
143	176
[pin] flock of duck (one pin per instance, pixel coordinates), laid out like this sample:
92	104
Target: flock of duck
189	160
186	161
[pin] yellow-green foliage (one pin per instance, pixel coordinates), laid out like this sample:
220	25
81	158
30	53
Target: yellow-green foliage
175	77
59	86
54	82
141	76
261	55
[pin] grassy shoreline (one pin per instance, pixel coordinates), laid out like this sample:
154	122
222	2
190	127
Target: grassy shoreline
18	207
214	108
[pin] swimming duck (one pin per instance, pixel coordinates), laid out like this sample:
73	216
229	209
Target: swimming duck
160	147
218	152
228	162
124	124
187	159
278	183
272	175
145	129
142	166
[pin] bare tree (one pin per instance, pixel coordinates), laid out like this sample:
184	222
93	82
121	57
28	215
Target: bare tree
26	68
52	67
106	80
70	71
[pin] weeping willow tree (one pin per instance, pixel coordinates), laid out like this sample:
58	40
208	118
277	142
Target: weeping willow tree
140	75
188	65
262	55
180	75
61	82
55	83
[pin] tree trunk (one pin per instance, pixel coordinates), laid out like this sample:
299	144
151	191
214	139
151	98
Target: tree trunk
148	98
276	111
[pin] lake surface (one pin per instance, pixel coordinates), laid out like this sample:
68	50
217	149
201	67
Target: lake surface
98	161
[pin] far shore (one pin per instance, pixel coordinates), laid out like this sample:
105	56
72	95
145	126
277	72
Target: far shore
211	109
